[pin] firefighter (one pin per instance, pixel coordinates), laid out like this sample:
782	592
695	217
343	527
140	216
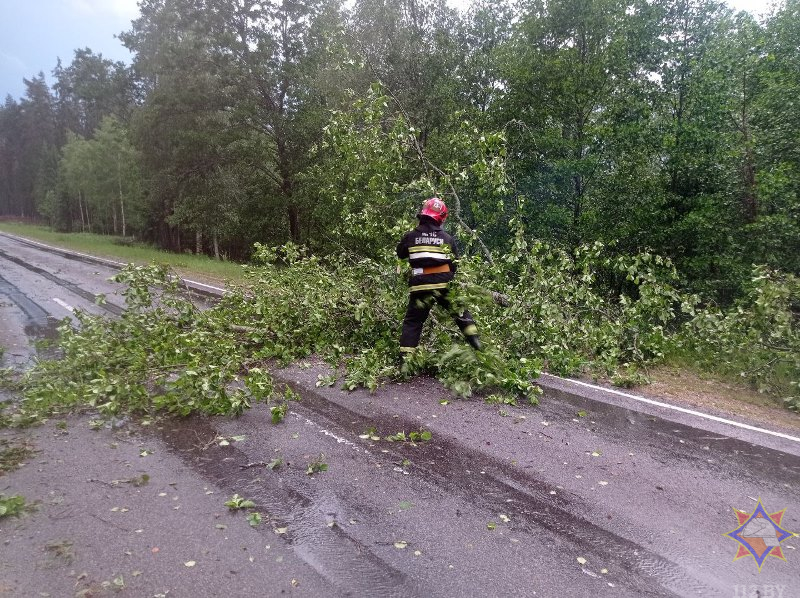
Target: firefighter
431	253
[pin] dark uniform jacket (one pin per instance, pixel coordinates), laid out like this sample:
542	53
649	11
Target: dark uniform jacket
430	252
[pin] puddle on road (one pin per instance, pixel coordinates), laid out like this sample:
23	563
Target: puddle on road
45	337
347	563
39	327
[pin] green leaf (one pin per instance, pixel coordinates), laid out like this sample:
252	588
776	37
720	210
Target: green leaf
237	502
254	519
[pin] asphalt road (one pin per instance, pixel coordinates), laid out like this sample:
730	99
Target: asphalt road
585	495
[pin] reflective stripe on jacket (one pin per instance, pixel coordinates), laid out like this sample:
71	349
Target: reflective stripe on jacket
430	252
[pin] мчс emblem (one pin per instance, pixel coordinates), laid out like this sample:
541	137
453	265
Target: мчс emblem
759	534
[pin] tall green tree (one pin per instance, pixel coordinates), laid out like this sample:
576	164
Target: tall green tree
45	188
774	236
236	90
567	63
117	174
412	48
703	147
486	27
90	88
36	135
10	145
101	177
76	180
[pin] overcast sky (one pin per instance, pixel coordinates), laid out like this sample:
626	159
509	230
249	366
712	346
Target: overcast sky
35	33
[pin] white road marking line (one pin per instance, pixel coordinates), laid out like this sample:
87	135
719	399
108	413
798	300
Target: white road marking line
63	304
681	409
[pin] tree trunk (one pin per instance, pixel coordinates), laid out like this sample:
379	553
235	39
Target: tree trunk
216	246
577	182
286	190
294	223
198	242
80	209
749	202
121	200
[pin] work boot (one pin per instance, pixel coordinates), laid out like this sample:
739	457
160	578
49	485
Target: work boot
474	342
403	360
405	367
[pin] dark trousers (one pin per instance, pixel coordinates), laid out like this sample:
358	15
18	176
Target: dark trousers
419	306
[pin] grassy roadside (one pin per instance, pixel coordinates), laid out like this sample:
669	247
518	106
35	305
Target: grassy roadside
115	248
684	385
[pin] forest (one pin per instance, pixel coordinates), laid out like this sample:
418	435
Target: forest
638	160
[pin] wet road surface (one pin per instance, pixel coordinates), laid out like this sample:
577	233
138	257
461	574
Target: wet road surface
576	497
39	289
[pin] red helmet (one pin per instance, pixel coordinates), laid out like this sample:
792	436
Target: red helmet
434	208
